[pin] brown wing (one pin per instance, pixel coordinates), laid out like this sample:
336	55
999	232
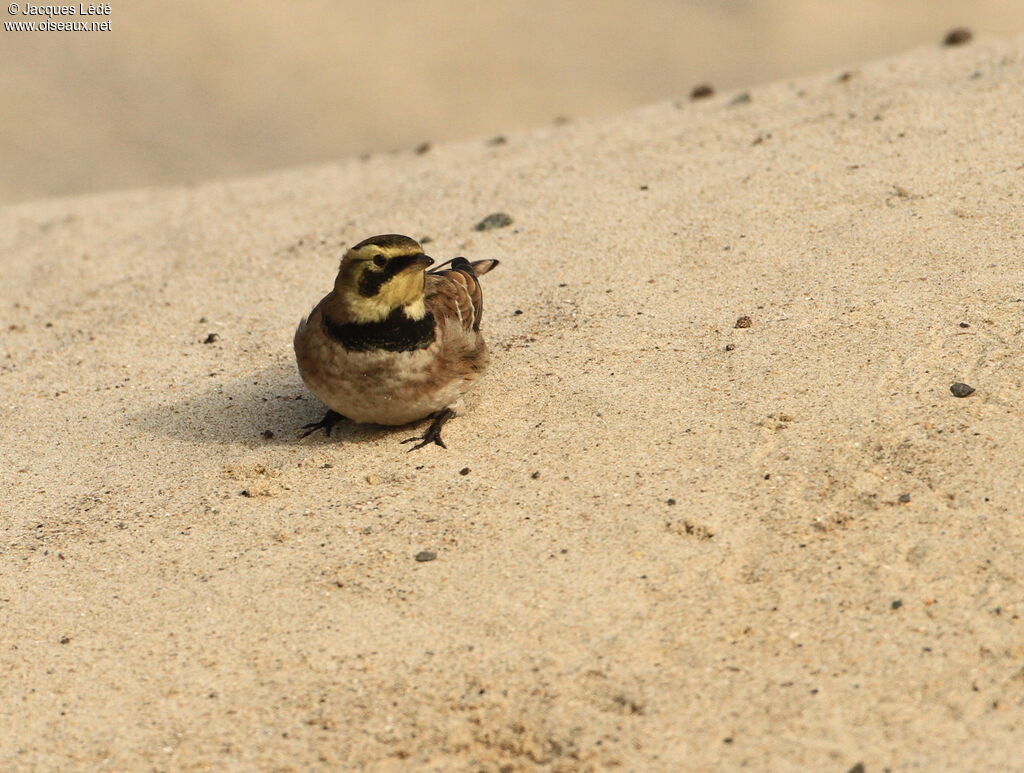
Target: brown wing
455	293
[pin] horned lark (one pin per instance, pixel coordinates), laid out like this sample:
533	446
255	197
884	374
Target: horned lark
393	343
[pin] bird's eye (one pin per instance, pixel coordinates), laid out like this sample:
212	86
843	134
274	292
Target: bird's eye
380	261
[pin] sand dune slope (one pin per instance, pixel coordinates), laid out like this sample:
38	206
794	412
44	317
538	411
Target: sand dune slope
192	90
679	544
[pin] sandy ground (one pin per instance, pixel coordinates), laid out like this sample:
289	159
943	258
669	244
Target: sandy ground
678	544
190	90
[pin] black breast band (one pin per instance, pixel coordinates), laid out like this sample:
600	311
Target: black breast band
394	333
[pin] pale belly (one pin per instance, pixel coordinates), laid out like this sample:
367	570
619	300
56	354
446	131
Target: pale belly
381	387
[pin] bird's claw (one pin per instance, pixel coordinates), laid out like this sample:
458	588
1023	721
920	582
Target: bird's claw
433	433
425	440
327	423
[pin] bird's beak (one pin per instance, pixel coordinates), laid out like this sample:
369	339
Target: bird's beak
416	262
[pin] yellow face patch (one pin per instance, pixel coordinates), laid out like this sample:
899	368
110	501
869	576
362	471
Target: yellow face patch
374	280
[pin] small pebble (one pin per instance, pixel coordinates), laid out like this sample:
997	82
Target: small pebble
464	471
517	312
372	479
426	555
896	604
961	390
494	220
535	475
730	347
211	338
957	37
743	321
740	99
267	434
422	148
65	640
670	501
965	324
703	91
904	498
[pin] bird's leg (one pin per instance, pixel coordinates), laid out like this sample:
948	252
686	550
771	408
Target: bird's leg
326	424
433	433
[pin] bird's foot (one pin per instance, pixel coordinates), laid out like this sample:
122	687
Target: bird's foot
327	423
433	433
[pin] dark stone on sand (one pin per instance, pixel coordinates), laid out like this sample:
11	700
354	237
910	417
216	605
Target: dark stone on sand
494	220
961	390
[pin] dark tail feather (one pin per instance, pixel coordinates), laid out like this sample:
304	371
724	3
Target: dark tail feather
476	268
481	267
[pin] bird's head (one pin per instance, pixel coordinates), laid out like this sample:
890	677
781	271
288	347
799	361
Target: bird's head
381	274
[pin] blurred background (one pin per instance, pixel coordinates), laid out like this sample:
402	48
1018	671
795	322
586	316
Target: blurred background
191	90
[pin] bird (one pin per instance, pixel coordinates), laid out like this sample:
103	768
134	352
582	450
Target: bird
393	343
